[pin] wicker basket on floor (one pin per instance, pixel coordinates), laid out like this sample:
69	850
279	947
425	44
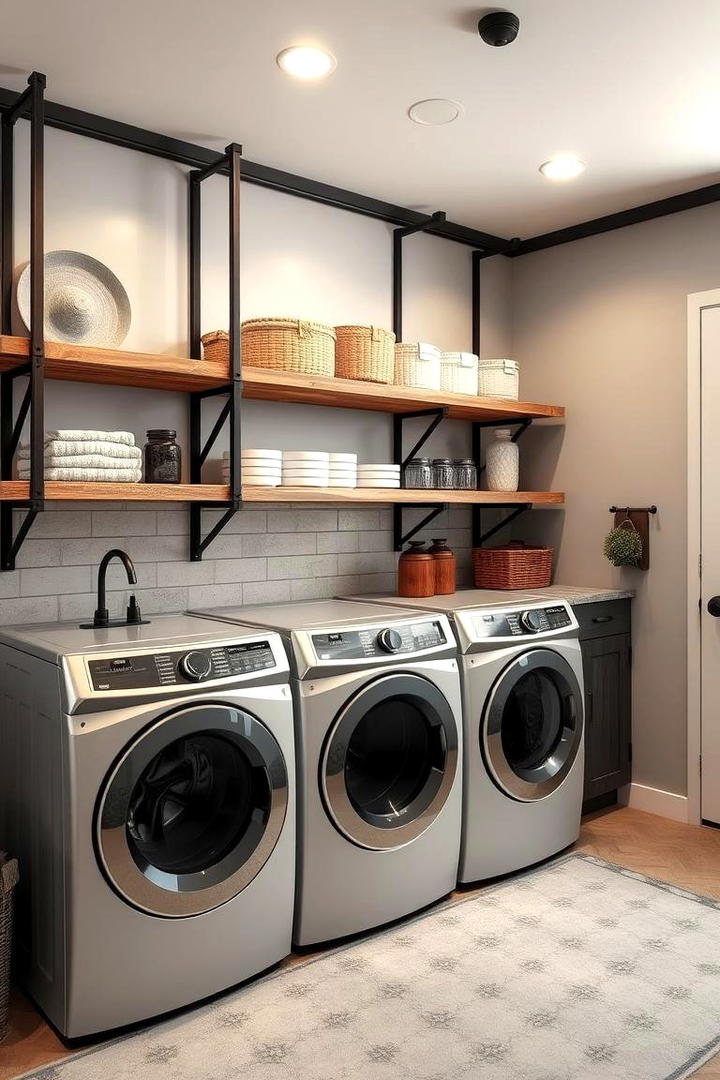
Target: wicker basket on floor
8	881
280	344
366	353
512	566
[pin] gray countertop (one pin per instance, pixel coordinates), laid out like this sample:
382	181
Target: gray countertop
578	594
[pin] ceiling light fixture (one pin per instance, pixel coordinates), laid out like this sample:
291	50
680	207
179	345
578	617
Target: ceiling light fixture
562	167
435	111
306	62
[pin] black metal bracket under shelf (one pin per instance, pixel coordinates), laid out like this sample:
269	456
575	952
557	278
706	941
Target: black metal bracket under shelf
231	411
400	538
28	105
436	417
478	536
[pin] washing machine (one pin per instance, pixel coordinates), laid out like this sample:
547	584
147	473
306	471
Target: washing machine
379	748
147	787
522	681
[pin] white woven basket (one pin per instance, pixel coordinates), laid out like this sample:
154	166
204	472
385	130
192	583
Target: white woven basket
417	364
499	379
459	372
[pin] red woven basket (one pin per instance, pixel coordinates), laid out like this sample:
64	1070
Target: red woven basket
512	566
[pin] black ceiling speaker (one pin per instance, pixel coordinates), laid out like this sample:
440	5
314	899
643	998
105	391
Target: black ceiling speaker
499	28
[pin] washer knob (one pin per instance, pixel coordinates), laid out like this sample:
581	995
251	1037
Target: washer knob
389	640
532	621
195	666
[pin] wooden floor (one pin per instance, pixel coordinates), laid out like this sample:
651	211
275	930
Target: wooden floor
681	854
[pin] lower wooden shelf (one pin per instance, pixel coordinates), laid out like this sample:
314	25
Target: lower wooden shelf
56	491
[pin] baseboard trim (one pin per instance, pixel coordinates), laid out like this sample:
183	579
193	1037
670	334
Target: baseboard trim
655	801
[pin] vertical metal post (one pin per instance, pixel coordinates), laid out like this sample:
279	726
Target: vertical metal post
397	312
194	302
37	290
476	257
7	149
476	434
234	153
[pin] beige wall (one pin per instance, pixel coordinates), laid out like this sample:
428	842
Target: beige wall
600	326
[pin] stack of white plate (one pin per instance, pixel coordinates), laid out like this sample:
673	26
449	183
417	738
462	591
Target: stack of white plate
305	468
378	476
260	468
343	470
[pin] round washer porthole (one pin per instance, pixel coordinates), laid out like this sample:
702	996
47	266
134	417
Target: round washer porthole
192	810
389	761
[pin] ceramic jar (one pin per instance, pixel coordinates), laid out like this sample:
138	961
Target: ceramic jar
163	460
502	462
445	565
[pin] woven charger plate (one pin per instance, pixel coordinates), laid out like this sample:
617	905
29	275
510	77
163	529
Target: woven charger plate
85	303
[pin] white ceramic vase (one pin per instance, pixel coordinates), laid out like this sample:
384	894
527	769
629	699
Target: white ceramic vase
502	462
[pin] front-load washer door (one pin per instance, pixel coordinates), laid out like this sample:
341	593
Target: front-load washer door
531	730
191	810
389	761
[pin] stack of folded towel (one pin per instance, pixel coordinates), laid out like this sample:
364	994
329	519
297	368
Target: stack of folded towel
87	456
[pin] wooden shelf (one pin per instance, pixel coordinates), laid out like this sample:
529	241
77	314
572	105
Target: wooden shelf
77	363
80	364
56	491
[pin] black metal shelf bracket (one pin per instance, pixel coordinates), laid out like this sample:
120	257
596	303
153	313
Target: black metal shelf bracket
400	538
230	413
28	105
436	415
521	426
517	510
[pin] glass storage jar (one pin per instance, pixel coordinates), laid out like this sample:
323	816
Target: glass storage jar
163	458
465	471
444	473
419	473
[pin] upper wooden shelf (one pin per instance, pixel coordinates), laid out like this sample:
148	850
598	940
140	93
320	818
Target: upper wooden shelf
18	490
82	364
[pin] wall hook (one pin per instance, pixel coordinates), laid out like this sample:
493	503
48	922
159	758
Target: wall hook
639	516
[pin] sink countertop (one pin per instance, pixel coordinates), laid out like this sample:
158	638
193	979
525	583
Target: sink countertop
578	594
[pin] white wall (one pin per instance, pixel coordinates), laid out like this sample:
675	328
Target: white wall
600	326
298	258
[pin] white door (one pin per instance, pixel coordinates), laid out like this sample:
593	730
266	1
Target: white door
710	552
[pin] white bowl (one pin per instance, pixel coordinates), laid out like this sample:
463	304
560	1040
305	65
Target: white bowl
251	481
305	481
338	482
306	455
351	459
264	464
308	474
351	477
262	472
377	483
387	466
276	455
378	476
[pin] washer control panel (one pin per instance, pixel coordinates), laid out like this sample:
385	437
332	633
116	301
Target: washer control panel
138	672
519	623
379	641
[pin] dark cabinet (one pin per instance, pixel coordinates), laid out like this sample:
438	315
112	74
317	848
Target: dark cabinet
606	649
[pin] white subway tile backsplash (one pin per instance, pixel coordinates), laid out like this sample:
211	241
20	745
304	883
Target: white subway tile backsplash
265	592
116	578
30	610
39	553
279	544
229	570
80	607
173	522
156	548
186	573
9	586
204	596
123	523
54	580
375	541
305	566
245	521
334	542
358	519
280	521
57	524
379	562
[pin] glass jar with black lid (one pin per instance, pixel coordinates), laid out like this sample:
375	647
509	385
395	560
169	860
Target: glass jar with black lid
444	473
163	457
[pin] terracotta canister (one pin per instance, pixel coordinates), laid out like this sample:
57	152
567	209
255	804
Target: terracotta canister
416	571
444	567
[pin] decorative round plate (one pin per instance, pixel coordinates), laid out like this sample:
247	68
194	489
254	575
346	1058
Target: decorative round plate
85	304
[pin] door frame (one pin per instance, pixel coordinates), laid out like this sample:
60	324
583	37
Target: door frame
696	303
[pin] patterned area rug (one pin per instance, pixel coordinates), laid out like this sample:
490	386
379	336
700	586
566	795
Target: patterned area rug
579	970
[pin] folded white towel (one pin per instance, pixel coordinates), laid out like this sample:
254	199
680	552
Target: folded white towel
83	461
58	449
111	476
78	435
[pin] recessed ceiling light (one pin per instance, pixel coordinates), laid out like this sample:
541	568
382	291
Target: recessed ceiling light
435	111
306	62
562	167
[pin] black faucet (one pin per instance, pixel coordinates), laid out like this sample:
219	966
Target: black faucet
101	612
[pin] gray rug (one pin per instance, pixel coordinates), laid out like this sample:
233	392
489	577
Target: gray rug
577	971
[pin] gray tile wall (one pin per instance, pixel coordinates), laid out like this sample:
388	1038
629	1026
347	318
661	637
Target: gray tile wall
264	555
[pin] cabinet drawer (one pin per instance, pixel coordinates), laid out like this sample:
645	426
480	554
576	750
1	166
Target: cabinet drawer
607	617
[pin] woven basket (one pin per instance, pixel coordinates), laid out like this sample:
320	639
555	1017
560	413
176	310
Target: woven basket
365	353
499	379
512	566
417	364
8	881
459	372
280	344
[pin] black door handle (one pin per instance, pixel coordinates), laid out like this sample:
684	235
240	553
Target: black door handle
714	607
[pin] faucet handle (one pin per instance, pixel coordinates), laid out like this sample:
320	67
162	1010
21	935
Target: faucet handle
101	618
134	615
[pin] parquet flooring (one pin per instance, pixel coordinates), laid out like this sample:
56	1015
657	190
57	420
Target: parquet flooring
682	854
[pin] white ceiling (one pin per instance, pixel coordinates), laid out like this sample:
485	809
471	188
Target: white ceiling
631	88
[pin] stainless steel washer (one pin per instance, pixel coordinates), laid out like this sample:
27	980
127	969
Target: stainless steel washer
147	785
379	747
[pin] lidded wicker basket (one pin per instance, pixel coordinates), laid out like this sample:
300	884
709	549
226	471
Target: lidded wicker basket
366	353
512	566
499	379
417	364
459	372
280	344
8	881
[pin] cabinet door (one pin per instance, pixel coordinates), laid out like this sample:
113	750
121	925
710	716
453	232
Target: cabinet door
606	667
